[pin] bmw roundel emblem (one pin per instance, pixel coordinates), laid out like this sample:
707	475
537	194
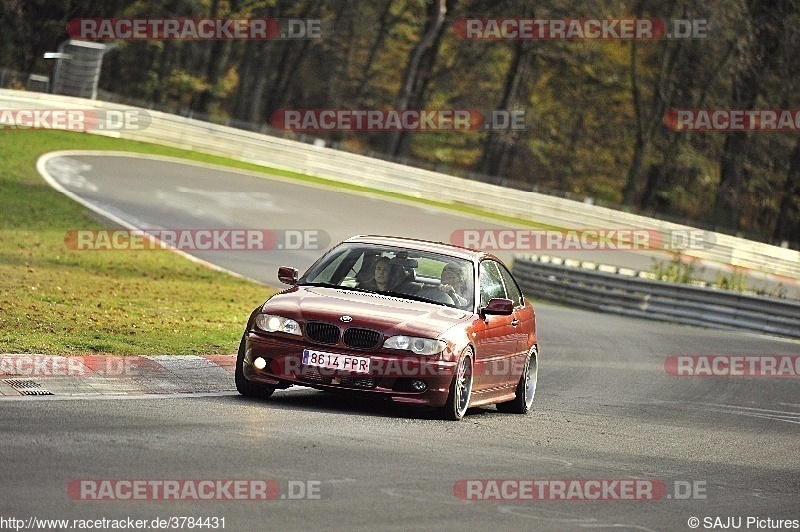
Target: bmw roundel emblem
346	319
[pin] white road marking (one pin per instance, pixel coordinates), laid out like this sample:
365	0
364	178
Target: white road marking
69	172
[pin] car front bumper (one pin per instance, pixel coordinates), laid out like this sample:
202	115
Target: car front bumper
391	376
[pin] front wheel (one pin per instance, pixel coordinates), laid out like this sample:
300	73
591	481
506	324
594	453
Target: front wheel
526	388
244	386
460	389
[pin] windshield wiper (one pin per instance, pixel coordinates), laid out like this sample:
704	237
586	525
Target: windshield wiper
332	285
413	297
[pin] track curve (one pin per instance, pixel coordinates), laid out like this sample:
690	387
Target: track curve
606	408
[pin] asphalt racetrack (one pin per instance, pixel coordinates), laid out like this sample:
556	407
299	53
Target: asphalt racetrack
615	441
153	193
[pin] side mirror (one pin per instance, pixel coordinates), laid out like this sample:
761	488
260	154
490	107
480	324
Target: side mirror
287	275
498	306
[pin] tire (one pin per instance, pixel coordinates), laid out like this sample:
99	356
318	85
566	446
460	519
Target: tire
460	389
526	387
244	386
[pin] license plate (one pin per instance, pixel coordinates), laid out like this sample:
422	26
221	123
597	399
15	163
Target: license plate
322	359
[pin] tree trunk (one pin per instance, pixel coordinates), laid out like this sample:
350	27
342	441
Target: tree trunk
768	28
244	91
216	66
649	119
385	21
410	89
256	106
686	98
293	54
497	144
787	227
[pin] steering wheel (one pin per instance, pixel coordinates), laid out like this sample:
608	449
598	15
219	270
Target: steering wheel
434	294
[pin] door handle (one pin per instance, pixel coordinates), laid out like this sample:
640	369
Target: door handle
514	322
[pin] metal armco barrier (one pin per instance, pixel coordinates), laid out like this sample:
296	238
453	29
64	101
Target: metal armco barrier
172	130
634	296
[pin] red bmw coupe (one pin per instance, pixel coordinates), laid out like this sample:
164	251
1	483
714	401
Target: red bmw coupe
415	322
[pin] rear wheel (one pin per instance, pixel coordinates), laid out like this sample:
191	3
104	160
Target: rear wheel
244	386
526	388
460	389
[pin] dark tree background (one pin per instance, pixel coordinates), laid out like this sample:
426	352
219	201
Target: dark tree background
593	109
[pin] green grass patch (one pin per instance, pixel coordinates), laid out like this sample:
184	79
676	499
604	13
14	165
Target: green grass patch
57	301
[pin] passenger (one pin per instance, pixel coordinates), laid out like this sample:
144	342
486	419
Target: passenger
457	284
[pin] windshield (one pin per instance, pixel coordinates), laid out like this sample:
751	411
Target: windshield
399	272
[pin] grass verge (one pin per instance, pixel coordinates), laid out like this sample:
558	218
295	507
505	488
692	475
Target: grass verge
57	301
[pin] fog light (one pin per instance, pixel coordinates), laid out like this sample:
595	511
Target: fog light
418	385
260	363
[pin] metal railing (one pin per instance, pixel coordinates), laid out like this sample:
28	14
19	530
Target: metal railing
631	295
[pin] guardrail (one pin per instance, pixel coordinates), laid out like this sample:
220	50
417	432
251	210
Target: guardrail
257	148
631	295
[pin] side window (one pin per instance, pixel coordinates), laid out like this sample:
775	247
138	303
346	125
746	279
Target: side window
339	269
491	282
326	274
351	278
512	288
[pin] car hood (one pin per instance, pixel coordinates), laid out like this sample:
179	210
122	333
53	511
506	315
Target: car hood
390	315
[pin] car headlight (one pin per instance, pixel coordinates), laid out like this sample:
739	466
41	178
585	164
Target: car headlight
270	323
419	346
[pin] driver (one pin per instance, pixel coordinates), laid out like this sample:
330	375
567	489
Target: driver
382	278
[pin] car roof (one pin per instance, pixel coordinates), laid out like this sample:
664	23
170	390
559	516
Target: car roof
420	245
